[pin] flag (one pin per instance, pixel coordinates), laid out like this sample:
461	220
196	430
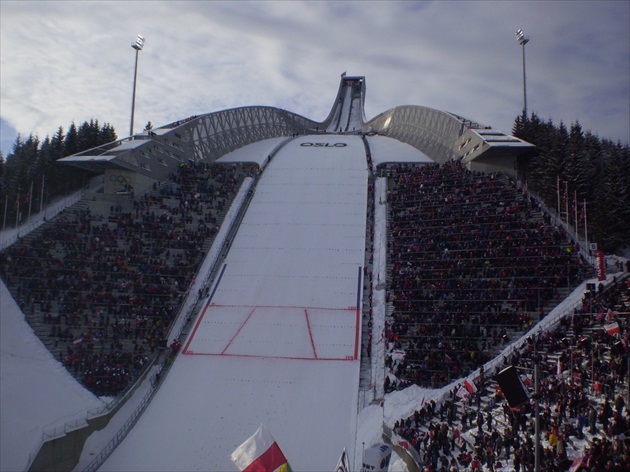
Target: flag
470	386
342	465
260	453
343	75
448	358
577	463
462	392
612	328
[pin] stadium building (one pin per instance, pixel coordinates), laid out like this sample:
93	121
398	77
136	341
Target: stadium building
252	266
140	160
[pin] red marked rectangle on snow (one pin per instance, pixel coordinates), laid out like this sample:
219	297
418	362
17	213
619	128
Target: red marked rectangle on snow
275	332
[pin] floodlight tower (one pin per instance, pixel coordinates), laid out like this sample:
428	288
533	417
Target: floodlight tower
138	45
523	40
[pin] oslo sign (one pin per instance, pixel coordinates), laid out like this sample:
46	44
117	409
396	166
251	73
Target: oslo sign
328	145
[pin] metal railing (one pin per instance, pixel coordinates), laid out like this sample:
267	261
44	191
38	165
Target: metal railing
13	235
102	456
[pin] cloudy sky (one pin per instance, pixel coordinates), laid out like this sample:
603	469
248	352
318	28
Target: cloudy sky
64	61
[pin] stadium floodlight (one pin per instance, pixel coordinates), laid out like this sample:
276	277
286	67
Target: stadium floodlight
138	45
523	40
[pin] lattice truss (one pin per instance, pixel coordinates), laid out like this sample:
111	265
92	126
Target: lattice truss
213	135
431	131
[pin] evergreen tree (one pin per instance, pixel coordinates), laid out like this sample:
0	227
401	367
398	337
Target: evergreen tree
589	170
30	161
107	134
71	143
613	203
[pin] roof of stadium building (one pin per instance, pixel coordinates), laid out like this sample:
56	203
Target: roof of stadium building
156	152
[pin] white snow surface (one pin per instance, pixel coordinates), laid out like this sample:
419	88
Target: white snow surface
277	344
257	152
383	149
37	392
386	149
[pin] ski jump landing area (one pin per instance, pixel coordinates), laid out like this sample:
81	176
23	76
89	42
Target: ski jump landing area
278	339
305	333
291	284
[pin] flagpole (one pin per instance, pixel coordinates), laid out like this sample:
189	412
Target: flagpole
4	219
30	202
576	215
571	354
536	412
593	368
566	200
558	193
41	197
585	226
17	213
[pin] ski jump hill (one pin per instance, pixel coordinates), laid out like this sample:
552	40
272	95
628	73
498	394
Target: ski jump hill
277	336
278	341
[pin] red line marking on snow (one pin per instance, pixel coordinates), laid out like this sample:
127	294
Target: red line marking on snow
239	330
260	356
192	336
285	307
310	333
253	308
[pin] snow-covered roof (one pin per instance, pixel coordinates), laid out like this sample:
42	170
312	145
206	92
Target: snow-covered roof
256	152
494	137
386	149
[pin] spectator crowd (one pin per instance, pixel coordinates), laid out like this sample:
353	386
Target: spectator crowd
472	262
584	421
101	284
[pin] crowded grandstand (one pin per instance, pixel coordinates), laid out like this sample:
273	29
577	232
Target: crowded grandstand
475	279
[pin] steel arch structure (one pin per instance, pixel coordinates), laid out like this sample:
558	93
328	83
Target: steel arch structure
215	134
431	131
151	155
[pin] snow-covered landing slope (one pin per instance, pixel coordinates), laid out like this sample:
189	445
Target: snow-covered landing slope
278	342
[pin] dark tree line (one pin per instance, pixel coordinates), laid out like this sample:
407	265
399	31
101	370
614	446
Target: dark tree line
588	168
32	165
573	165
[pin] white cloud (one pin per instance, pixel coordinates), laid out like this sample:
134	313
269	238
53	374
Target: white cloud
64	61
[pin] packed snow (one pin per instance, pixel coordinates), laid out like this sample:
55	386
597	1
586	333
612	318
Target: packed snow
276	344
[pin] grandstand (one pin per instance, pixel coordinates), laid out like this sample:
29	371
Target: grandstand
388	254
